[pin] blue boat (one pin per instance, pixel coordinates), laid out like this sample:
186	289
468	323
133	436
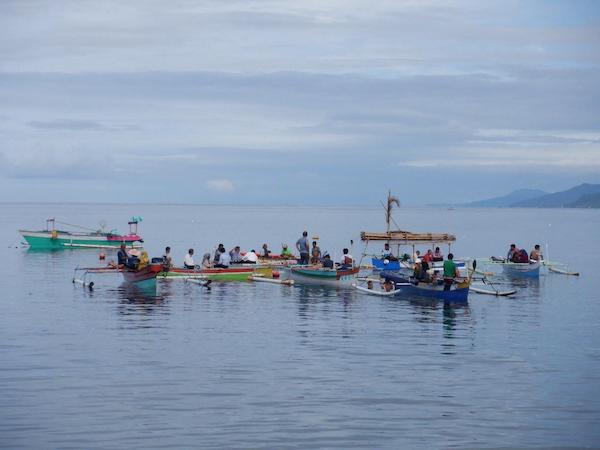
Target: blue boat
395	266
458	293
385	264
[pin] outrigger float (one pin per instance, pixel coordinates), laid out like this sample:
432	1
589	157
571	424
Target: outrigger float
55	239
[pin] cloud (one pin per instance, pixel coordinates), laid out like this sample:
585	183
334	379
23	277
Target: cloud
220	185
67	124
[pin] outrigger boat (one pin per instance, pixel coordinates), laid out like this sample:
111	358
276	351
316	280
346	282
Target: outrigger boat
142	277
53	239
405	286
214	274
319	275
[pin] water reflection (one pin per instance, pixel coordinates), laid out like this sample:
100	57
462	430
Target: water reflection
138	300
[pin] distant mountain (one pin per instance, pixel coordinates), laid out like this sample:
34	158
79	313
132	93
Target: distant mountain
586	201
563	199
507	200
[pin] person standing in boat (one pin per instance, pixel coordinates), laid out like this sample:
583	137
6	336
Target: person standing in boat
303	247
536	254
188	262
315	253
450	272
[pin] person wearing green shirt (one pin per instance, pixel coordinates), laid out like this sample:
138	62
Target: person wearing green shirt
450	272
285	251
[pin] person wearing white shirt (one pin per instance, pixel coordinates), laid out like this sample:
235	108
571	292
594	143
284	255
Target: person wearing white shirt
224	259
188	262
347	261
250	257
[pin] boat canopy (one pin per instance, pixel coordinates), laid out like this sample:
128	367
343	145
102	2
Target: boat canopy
407	237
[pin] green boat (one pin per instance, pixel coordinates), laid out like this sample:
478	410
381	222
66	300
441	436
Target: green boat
54	239
214	274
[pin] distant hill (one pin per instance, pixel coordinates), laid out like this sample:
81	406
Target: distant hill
507	200
586	201
563	199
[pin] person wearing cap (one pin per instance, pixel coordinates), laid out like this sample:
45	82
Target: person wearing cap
418	270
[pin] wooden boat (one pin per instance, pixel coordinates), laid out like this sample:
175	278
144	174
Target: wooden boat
458	293
529	270
322	276
54	239
214	274
143	276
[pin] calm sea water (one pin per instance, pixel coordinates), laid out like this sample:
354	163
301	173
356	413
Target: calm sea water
266	366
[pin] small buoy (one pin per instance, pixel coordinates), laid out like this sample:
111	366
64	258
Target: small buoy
101	256
276	274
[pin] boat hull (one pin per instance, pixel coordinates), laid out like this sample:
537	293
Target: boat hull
230	274
142	277
395	266
46	240
458	293
526	270
323	277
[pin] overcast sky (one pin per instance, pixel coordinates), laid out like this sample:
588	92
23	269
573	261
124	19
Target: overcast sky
296	102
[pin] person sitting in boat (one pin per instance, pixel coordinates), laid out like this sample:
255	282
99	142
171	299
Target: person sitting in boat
347	261
285	251
386	253
315	253
420	273
520	256
235	255
370	284
224	260
218	253
416	255
437	255
122	256
511	252
327	261
265	252
250	257
428	257
206	261
188	262
167	259
450	272
388	286
535	254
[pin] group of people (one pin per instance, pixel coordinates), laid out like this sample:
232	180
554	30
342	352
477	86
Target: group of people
517	255
313	255
222	258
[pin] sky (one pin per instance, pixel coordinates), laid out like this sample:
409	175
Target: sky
296	102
